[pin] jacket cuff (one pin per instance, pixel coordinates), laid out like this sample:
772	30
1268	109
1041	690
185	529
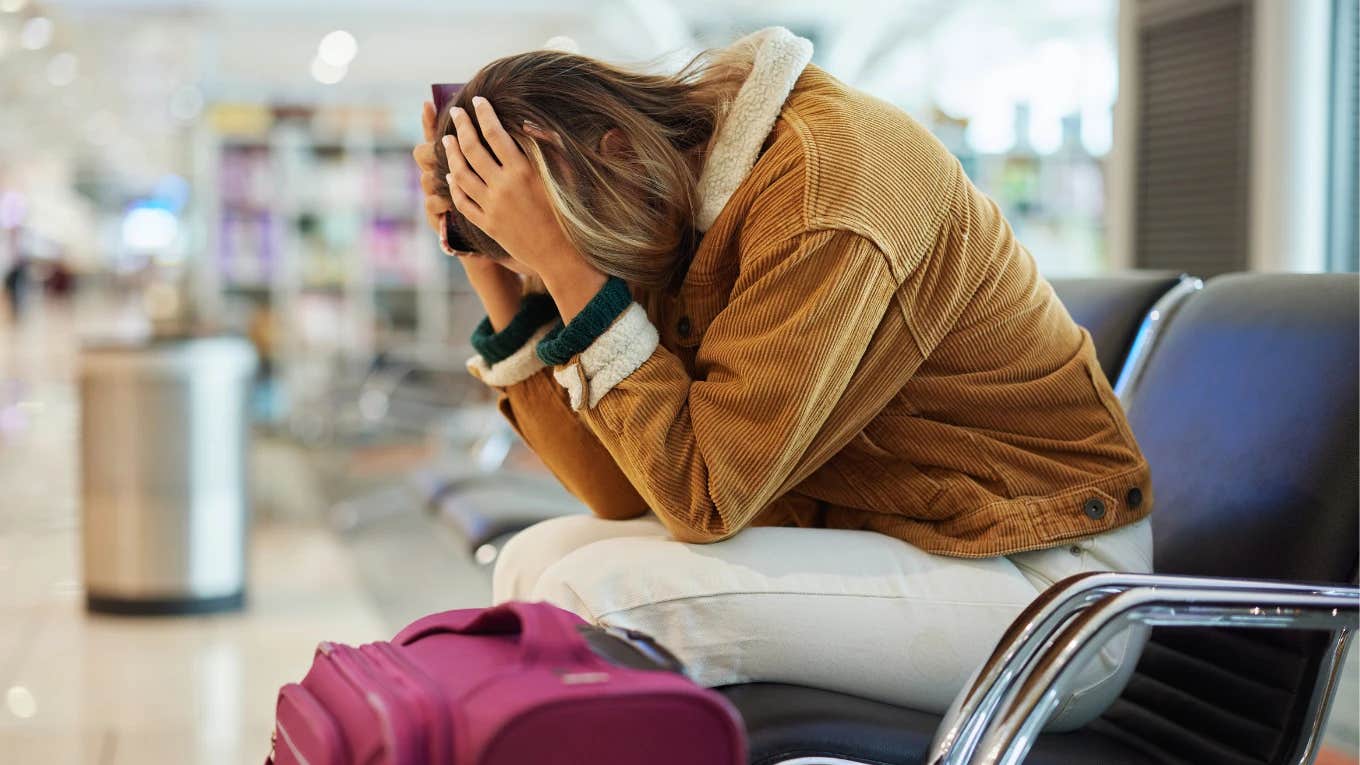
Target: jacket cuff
565	341
515	368
618	351
535	310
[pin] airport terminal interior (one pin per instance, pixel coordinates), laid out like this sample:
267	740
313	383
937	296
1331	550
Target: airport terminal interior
224	190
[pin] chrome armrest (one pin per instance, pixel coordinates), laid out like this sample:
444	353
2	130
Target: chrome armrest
1135	361
1033	631
1022	712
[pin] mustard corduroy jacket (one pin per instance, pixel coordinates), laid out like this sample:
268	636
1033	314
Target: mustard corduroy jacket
859	343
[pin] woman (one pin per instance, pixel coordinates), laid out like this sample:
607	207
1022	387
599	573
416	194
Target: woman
834	428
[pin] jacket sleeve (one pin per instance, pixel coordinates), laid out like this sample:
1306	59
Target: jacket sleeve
537	409
709	453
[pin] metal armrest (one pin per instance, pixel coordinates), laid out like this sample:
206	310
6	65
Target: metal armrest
1033	631
1022	713
1135	361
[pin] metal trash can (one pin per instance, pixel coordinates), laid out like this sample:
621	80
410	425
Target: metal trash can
163	451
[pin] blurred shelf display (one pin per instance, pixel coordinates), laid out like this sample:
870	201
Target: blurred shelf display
356	200
313	220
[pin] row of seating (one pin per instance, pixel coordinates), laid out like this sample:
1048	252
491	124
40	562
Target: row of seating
1243	395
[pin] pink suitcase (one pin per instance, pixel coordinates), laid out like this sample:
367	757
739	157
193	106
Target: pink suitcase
517	684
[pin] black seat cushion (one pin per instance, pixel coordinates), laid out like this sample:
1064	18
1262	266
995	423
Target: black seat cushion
789	721
1219	696
1247	413
1112	308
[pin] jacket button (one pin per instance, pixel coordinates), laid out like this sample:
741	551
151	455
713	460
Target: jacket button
1135	497
1094	508
682	326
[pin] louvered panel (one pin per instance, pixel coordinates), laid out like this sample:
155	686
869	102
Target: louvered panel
1193	117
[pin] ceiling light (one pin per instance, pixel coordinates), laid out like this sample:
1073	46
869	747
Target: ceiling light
36	34
61	70
12	6
326	73
148	229
337	48
20	702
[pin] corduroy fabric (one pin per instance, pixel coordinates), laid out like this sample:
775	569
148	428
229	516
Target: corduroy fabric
535	310
859	343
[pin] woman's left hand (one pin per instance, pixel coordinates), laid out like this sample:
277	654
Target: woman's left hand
502	195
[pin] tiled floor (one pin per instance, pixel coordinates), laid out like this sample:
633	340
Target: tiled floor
77	688
103	690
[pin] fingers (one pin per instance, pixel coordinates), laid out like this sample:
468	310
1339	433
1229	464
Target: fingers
427	120
477	156
461	175
436	206
465	204
507	151
424	156
427	182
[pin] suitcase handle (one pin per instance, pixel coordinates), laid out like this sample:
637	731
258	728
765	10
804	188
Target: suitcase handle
547	633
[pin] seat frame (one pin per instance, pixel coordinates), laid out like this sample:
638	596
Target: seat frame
1000	712
1140	350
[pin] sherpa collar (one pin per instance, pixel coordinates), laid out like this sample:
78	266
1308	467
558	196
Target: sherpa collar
780	57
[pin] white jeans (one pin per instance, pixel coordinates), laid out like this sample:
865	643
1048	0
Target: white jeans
851	611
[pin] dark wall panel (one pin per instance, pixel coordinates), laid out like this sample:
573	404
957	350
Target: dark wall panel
1193	140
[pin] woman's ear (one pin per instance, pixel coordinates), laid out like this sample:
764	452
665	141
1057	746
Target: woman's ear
614	143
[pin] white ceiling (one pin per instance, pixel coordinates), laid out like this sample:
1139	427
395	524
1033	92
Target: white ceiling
135	55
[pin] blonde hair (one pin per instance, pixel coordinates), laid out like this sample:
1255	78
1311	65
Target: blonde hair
631	214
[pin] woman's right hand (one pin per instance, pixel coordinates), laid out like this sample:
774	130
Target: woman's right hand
435	204
498	287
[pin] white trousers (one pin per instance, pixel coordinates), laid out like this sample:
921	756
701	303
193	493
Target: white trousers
850	611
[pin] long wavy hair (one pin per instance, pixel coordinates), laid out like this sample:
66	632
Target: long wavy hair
630	213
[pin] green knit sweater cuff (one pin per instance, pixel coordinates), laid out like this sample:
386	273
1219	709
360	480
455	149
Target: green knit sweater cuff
565	341
535	310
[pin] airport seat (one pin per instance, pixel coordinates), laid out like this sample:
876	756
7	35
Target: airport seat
1246	409
484	510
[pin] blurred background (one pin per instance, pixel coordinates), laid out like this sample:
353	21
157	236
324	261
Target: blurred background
243	167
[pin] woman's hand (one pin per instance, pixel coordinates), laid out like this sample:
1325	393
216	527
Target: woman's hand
497	287
502	195
435	204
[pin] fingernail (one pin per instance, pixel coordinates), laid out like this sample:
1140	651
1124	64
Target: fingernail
447	141
478	100
455	111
